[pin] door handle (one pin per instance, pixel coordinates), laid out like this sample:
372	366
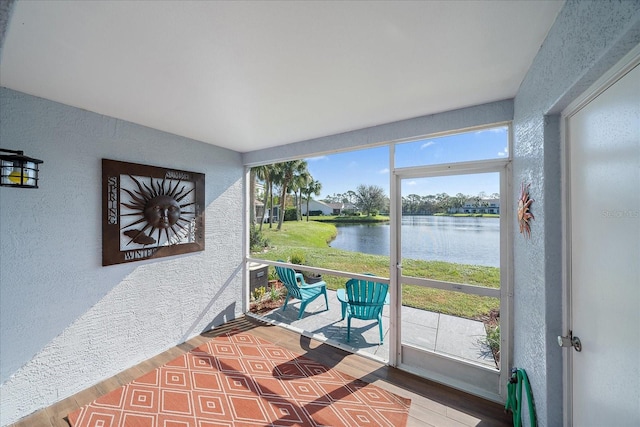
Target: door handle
570	341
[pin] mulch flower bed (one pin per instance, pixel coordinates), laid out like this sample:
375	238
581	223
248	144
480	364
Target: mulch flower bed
266	302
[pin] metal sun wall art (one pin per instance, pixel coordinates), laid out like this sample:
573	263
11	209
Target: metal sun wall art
150	212
524	213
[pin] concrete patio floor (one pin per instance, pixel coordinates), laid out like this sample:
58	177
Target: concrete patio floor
440	333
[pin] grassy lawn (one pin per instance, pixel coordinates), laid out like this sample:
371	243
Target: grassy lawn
311	238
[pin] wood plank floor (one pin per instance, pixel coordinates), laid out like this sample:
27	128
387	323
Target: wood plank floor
432	404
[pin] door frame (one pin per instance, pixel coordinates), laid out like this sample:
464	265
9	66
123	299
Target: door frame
469	378
626	64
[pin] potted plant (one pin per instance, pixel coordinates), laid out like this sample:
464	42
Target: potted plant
310	277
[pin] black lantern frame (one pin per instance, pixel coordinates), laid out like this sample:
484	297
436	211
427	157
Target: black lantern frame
18	170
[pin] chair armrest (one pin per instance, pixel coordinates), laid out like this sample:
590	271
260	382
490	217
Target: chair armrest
342	295
321	284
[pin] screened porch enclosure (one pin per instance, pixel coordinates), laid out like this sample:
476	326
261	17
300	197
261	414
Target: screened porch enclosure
445	256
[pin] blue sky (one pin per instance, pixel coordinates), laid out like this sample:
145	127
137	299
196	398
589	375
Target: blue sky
342	172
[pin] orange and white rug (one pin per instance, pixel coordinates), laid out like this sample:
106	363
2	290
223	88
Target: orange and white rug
239	380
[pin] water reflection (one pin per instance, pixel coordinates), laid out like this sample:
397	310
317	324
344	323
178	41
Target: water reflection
463	240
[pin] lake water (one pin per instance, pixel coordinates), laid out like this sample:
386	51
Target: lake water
453	239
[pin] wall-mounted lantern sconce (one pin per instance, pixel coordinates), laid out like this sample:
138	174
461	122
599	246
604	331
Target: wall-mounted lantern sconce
18	170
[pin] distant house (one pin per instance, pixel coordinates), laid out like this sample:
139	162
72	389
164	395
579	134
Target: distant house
336	208
475	206
316	206
258	209
339	208
275	213
259	206
349	209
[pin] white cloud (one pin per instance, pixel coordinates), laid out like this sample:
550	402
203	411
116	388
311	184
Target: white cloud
504	153
315	159
427	144
494	130
383	171
412	183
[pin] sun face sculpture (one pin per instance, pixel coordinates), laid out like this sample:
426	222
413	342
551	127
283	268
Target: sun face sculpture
160	211
524	214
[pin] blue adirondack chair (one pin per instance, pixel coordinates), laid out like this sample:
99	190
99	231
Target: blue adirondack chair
297	288
363	300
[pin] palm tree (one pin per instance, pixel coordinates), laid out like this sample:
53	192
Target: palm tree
298	183
269	175
263	173
313	187
276	176
252	196
288	171
351	196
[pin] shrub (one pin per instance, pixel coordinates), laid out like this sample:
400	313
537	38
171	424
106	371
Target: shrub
493	337
297	257
274	293
291	214
258	293
257	241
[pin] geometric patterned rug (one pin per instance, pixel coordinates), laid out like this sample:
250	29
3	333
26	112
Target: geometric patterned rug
239	380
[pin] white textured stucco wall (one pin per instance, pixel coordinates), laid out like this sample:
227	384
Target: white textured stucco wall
587	39
66	322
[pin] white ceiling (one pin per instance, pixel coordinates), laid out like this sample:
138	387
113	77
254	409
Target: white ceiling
251	75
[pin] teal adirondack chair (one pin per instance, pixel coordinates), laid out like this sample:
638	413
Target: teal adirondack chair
297	288
363	300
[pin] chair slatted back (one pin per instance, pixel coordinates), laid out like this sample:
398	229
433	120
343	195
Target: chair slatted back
366	298
288	278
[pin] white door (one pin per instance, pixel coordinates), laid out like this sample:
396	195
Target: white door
603	254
